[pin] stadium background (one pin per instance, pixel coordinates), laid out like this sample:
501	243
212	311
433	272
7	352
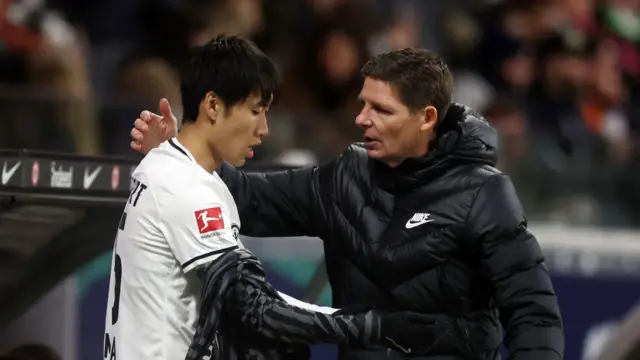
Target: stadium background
557	78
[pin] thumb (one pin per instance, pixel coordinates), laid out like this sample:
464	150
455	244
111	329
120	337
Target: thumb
165	109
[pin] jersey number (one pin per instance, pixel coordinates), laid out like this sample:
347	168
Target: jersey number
110	342
117	271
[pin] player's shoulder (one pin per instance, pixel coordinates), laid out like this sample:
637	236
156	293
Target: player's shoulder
163	159
166	165
174	178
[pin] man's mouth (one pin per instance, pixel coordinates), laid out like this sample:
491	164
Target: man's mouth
371	143
250	152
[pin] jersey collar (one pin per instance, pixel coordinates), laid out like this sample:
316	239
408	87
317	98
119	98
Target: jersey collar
176	145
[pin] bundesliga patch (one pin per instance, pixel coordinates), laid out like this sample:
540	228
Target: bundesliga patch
209	220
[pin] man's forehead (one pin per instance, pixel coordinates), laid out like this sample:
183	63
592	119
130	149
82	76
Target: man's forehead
257	99
379	91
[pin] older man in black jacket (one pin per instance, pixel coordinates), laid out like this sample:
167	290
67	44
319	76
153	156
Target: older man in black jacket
415	218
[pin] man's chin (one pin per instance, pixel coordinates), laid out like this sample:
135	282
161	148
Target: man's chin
375	154
382	157
238	162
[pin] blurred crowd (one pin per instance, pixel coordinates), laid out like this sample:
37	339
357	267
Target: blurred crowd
558	78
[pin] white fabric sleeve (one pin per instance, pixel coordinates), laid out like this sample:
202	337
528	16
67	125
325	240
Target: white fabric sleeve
304	305
198	229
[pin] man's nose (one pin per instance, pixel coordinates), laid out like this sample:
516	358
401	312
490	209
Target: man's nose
263	128
362	120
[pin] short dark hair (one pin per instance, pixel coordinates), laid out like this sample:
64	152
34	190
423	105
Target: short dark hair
230	66
421	77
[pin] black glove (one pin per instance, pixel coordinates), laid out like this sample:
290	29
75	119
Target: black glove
406	330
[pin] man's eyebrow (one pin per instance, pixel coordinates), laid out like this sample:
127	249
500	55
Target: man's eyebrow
381	105
375	103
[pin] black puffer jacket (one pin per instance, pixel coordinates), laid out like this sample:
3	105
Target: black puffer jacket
444	235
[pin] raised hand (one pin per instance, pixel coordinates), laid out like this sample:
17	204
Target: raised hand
150	130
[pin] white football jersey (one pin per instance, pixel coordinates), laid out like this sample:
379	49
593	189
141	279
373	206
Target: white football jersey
178	217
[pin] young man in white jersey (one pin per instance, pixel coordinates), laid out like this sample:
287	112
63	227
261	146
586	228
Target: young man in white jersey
180	221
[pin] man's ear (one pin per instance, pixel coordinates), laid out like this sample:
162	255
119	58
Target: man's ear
428	118
212	106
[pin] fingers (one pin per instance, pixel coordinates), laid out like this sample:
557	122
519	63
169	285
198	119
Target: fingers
136	146
165	108
147	116
137	135
140	125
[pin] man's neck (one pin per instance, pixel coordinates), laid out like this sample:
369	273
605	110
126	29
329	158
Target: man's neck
420	152
197	145
393	164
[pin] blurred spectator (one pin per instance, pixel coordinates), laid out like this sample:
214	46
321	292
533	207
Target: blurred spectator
601	107
505	50
518	156
554	113
324	76
621	23
325	73
152	72
503	60
505	115
41	48
399	29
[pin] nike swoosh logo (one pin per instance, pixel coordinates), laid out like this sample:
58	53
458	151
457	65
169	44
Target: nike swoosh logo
6	175
411	224
89	178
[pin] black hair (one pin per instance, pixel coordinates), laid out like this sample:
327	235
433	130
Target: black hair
233	68
421	77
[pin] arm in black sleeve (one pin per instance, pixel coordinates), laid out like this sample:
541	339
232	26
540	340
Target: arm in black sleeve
275	319
513	262
280	203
